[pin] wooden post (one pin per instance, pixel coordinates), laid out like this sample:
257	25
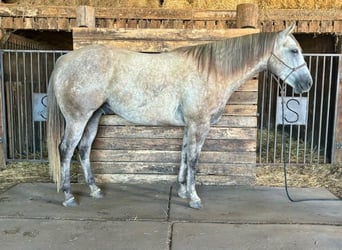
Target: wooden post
85	16
337	150
247	15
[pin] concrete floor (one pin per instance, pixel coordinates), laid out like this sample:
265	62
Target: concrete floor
151	216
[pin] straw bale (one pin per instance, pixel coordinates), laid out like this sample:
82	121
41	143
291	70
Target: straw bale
176	4
196	4
300	4
219	4
139	3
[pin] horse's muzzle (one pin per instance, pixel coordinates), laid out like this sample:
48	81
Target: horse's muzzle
303	84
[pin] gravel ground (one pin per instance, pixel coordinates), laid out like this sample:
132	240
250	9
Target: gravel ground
327	176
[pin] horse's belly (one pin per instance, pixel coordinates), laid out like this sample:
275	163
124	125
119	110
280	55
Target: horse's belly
150	114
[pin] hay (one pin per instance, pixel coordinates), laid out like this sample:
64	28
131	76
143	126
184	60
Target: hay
219	4
196	4
23	172
176	4
300	4
298	151
326	176
323	176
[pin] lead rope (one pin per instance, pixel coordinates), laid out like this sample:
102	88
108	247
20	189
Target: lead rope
282	93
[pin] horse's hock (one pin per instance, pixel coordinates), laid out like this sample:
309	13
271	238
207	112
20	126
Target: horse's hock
124	152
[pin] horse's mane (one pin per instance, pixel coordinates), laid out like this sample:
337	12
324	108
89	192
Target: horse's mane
230	56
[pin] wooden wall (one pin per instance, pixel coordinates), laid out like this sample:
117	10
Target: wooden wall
125	152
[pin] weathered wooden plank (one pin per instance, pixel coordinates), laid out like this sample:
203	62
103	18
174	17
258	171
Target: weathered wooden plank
152	40
172	132
171	144
201	179
169	156
139	45
250	85
337	144
170	168
240	110
338	27
37	11
94	34
167	14
231	118
244	98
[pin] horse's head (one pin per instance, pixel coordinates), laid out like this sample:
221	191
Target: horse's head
287	62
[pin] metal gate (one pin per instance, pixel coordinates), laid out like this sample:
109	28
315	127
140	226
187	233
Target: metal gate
24	80
310	143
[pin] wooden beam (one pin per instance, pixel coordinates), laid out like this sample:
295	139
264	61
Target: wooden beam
247	15
337	144
85	16
152	40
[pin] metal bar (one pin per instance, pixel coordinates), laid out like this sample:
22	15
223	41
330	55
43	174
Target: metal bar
306	127
321	111
261	115
3	111
10	108
328	110
27	140
39	91
32	121
269	116
18	139
314	112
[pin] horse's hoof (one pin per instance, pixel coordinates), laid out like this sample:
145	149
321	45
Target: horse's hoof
195	204
97	194
70	202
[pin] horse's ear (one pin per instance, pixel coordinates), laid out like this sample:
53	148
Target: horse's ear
288	30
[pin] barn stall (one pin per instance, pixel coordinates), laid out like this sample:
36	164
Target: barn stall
152	154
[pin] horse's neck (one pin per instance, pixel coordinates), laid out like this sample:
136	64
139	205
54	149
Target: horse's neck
235	81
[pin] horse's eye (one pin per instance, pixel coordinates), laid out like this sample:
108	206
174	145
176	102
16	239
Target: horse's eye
294	51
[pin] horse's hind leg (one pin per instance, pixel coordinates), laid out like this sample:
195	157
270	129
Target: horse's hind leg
84	149
182	192
72	134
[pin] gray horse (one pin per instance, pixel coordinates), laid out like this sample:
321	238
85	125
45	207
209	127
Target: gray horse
187	87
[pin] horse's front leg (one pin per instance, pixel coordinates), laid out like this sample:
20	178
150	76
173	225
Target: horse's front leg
196	137
182	192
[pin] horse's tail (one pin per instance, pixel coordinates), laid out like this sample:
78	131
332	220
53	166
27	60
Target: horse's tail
55	127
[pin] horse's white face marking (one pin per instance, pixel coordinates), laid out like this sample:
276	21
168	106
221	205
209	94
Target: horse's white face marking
287	62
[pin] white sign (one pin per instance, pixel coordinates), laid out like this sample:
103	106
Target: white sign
39	106
295	110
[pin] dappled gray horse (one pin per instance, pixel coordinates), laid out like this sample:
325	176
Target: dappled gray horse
188	87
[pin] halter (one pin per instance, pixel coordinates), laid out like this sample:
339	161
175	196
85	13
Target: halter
293	69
